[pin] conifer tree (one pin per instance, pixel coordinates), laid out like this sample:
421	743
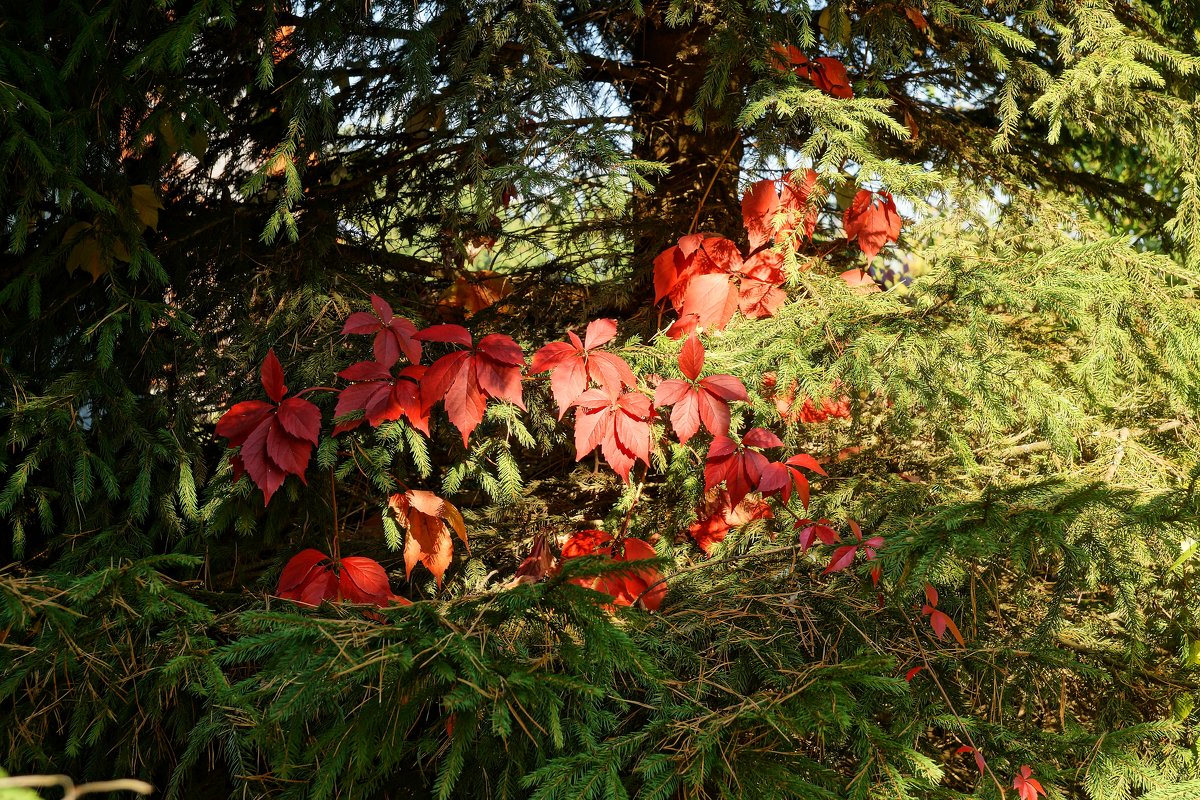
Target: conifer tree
351	354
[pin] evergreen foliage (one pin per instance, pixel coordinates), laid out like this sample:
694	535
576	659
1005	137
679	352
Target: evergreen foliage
184	186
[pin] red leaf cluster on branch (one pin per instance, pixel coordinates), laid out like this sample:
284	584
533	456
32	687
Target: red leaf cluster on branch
311	577
644	584
576	364
697	400
707	281
768	214
826	73
277	438
465	379
873	220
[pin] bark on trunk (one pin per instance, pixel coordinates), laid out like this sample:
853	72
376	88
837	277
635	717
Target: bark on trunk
702	184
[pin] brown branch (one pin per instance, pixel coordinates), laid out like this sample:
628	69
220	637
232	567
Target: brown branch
1129	433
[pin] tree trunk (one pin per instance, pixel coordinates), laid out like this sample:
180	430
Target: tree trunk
700	191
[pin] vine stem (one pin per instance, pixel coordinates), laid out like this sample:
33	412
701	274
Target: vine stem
637	495
337	544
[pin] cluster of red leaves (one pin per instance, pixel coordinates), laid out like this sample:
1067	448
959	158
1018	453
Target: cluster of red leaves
743	468
718	516
843	557
1027	786
276	438
575	364
618	423
872	219
381	396
697	400
808	412
644	584
465	379
707	281
939	620
826	73
611	414
311	577
428	519
769	215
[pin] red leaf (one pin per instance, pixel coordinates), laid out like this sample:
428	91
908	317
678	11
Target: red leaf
365	371
786	57
363	580
1027	787
538	564
275	440
297	570
464	400
761	437
502	349
809	530
599	332
712	298
758	212
931	595
799	207
360	322
618	423
940	621
465	379
240	421
782	476
829	75
572	365
263	470
912	673
587	543
300	418
842	558
739	467
382	309
393	335
979	762
428	520
289	454
272	377
872	219
646	583
705	402
310	577
691	358
451	334
759	299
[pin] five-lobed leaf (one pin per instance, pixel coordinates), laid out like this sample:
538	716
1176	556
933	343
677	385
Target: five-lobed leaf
393	335
1028	787
616	422
872	220
694	402
465	379
275	440
574	364
428	521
